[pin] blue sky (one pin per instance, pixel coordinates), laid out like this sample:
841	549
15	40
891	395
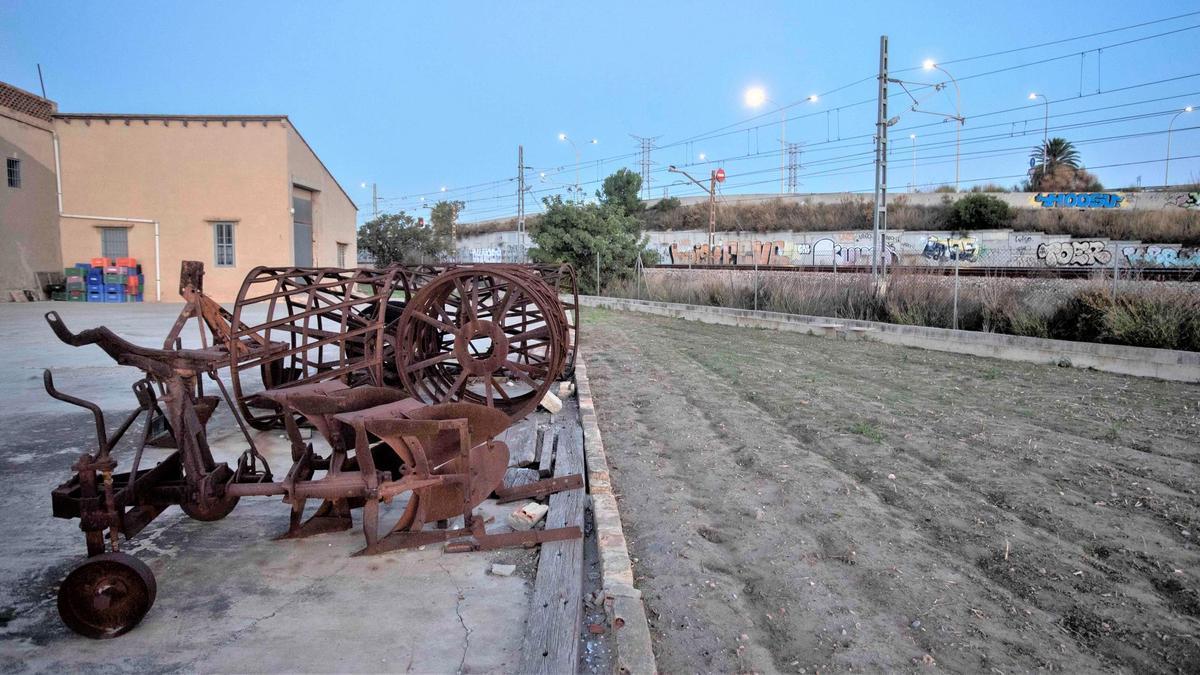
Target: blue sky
414	97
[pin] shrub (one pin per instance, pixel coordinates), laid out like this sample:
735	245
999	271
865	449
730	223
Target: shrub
979	212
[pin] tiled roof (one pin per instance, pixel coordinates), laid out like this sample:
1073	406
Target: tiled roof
25	102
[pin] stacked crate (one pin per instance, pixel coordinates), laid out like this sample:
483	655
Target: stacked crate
105	280
76	282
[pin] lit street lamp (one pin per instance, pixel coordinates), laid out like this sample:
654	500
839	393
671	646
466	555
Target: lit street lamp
1167	163
755	97
930	64
1033	96
578	159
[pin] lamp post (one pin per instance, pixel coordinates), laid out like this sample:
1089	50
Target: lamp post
1167	163
930	64
578	159
912	187
716	176
1033	96
755	97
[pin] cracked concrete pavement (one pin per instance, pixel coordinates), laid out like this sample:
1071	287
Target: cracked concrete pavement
229	598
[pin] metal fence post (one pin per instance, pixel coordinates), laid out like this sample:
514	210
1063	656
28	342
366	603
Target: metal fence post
956	292
756	282
1115	274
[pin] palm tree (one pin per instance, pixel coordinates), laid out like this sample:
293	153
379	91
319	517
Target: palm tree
1057	152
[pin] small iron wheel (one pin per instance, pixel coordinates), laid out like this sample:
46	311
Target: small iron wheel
106	595
215	510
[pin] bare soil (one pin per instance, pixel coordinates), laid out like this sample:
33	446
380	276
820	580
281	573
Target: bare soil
803	504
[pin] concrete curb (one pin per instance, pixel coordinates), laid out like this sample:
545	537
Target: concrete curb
622	601
1165	364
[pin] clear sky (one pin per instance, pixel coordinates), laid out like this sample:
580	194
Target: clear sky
414	97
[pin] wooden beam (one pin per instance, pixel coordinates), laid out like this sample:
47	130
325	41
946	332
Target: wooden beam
551	643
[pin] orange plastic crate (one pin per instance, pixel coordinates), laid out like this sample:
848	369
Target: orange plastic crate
101	262
127	262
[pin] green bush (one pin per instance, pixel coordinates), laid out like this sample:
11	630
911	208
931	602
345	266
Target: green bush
980	212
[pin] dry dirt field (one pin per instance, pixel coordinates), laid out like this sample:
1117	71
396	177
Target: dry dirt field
803	504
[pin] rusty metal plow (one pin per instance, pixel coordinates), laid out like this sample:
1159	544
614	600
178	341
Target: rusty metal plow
474	347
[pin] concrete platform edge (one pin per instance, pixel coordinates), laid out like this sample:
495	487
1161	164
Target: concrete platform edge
1165	364
622	601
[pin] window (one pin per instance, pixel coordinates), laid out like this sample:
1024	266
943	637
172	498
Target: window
223	244
14	173
114	242
342	254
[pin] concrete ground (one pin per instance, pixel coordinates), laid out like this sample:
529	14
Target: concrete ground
229	598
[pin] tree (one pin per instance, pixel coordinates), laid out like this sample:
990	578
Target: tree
1057	159
444	215
979	211
397	238
621	190
582	234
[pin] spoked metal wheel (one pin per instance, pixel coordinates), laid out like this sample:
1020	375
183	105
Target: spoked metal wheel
106	595
494	336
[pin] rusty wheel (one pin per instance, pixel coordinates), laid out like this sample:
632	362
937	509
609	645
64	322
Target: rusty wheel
106	595
488	335
215	509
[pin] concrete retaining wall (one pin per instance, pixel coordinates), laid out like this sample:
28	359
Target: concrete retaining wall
1166	364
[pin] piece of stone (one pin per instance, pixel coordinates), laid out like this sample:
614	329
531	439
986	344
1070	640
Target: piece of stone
565	389
503	570
552	403
527	516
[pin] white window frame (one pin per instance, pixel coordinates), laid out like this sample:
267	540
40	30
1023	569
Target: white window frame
217	244
342	249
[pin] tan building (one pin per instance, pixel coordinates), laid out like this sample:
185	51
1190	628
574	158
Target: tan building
29	240
233	191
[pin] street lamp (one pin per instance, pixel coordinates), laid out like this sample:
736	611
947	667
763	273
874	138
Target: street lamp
930	64
913	186
1033	96
755	97
1167	164
578	159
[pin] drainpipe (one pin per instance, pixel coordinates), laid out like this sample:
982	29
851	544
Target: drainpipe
57	172
157	267
58	185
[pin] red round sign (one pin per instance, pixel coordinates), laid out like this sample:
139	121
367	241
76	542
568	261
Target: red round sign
720	175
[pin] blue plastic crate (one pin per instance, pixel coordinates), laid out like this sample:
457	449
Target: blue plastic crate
95	296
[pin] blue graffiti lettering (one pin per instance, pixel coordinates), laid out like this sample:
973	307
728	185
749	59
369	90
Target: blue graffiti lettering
1079	200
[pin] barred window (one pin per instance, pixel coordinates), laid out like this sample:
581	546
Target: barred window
114	242
223	244
14	173
341	254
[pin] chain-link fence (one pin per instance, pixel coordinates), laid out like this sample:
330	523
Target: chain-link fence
1094	293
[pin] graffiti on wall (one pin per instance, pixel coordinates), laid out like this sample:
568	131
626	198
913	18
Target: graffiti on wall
1185	200
1079	200
1161	256
952	248
1077	253
779	253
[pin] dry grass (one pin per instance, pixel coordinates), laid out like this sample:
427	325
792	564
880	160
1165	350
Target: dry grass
1172	226
1143	314
1167	226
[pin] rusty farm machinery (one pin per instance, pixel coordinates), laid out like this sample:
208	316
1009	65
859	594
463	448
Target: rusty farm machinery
408	373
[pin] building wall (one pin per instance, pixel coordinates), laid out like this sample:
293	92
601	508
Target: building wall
334	214
28	214
188	174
